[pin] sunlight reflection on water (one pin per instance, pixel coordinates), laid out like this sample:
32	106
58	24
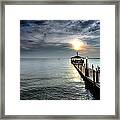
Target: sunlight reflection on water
51	79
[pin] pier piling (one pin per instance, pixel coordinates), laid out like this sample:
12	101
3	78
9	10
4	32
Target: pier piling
87	69
93	75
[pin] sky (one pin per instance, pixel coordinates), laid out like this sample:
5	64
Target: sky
55	38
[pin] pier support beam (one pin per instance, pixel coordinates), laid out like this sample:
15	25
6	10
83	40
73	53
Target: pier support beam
86	68
93	75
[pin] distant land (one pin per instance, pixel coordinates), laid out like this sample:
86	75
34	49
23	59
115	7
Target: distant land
93	58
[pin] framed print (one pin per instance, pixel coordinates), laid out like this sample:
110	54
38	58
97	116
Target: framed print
59	59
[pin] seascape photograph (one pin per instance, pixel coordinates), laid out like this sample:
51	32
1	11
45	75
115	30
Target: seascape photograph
60	60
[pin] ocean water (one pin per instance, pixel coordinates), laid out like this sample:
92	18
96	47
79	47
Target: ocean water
51	79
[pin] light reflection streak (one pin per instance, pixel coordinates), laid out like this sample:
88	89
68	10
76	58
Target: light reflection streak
74	74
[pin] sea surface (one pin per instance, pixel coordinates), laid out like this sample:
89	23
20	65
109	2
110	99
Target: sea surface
52	79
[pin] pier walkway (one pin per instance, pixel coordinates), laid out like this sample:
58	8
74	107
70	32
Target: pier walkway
90	76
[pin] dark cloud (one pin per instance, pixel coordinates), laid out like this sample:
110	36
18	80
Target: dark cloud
54	35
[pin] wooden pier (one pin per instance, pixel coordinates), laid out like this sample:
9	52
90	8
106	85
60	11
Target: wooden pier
90	76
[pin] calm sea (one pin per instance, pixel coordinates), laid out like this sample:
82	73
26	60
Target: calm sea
52	79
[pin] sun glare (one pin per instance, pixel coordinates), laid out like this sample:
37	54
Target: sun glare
77	44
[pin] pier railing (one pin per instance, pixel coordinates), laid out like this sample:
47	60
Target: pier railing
91	76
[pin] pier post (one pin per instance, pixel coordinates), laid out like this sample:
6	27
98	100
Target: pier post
93	72
86	68
97	74
93	75
86	62
92	66
97	79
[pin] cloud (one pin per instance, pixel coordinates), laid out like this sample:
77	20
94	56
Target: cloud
56	34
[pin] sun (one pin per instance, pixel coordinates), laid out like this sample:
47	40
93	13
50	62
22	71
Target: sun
77	44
